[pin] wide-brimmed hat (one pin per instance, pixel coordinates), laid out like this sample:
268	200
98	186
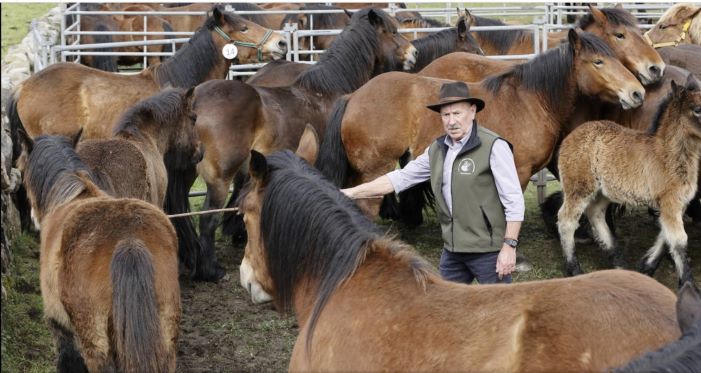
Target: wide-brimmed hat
455	92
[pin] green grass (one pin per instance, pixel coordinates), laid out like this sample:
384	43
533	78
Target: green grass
16	18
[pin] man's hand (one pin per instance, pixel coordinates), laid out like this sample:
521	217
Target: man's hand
506	261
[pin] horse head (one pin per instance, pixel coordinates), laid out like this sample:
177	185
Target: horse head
466	42
619	29
600	73
680	24
254	43
395	49
686	100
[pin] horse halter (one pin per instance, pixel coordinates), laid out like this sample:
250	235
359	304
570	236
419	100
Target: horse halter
674	43
258	47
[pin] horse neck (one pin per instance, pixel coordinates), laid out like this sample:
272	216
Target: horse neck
678	144
433	46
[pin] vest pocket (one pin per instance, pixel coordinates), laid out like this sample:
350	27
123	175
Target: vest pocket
489	226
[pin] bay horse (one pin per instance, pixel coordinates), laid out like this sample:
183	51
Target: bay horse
680	24
504	42
317	21
134	23
65	97
602	162
527	105
367	302
683	355
234	117
108	267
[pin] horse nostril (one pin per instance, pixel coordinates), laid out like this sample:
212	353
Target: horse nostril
282	44
416	53
638	96
655	70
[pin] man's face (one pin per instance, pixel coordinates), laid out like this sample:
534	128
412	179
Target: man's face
457	119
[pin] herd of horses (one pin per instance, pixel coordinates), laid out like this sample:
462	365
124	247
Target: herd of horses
106	156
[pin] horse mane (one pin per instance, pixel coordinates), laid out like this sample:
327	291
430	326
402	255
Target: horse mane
192	63
322	21
55	173
501	40
683	355
663	108
547	72
312	230
246	7
616	16
435	45
162	109
349	61
421	22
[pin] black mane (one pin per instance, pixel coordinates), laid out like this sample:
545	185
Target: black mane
548	72
501	40
194	61
51	173
436	45
350	60
322	21
162	109
616	16
311	231
248	7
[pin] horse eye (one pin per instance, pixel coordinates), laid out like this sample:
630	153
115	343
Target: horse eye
244	29
598	63
697	111
620	36
193	117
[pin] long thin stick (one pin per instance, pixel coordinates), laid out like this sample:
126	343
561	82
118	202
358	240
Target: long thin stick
203	212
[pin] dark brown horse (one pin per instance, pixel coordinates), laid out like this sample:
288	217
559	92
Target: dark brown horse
357	293
317	21
109	268
158	127
503	42
527	105
98	23
234	117
65	97
602	162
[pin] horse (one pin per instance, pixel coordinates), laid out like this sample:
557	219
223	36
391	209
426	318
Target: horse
683	355
371	129
133	23
503	42
602	162
433	46
680	24
419	22
234	117
357	293
184	22
317	21
108	267
65	97
98	23
686	56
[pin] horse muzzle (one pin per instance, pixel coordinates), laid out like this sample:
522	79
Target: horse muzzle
653	73
631	99
248	282
411	56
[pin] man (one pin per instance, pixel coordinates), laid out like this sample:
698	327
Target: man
474	179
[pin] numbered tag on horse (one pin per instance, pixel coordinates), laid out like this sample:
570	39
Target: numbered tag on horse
230	51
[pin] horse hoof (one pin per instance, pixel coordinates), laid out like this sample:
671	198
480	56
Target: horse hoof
573	269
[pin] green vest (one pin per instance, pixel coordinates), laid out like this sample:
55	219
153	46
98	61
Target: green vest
478	222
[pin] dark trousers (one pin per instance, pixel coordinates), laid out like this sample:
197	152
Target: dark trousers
465	267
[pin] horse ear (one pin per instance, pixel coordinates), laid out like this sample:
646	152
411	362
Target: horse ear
308	147
348	13
76	138
573	37
374	18
691	83
259	167
688	306
218	15
598	15
676	89
463	28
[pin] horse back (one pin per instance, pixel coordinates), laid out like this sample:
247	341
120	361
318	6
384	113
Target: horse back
464	66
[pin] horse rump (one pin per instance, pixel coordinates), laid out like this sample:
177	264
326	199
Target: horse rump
136	327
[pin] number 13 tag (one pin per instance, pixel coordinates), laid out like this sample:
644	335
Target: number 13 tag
230	51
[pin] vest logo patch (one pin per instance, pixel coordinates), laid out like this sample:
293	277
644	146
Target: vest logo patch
466	166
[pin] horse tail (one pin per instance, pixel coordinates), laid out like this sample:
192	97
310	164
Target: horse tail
177	201
333	160
137	339
105	63
168	48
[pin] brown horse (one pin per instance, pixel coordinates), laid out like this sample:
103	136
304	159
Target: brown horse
503	42
65	97
680	24
602	162
527	105
458	39
366	302
158	127
234	117
109	268
134	23
185	22
317	21
98	23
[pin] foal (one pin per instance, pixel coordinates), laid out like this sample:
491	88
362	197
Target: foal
602	162
102	260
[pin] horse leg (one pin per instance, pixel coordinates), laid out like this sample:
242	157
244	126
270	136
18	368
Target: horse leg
69	359
651	260
596	212
208	269
567	223
672	226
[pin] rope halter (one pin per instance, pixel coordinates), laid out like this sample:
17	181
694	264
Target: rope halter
258	47
674	43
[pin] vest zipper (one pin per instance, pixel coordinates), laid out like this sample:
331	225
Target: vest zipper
489	226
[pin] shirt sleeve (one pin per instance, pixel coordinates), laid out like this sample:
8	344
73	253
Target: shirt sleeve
416	171
501	161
